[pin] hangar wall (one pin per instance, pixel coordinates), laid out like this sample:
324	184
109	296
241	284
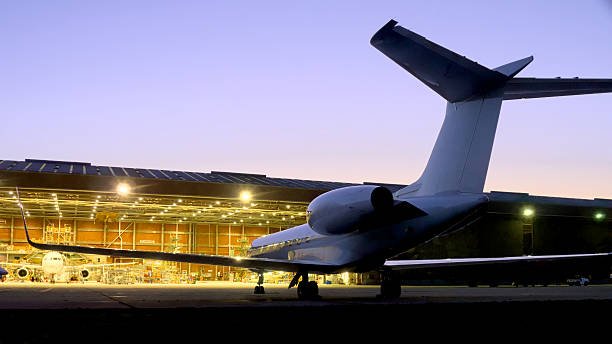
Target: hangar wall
502	235
201	238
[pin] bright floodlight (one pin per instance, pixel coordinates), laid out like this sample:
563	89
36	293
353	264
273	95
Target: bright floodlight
528	212
123	189
245	196
599	216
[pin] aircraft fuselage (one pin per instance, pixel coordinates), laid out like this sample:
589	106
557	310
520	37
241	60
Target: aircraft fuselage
360	251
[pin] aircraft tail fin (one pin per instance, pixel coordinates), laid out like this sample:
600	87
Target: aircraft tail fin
461	154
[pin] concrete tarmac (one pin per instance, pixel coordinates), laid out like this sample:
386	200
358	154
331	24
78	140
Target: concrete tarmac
26	295
43	313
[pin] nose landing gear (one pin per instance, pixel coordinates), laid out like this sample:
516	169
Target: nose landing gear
259	289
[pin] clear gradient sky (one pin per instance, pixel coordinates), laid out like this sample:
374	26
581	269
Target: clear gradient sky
293	89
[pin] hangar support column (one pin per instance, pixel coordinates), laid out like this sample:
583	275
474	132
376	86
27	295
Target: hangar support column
162	237
105	230
134	235
216	249
13	230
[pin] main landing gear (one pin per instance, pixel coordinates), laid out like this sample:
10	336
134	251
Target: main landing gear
259	289
306	290
390	287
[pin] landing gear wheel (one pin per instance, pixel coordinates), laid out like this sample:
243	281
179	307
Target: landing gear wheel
314	289
308	290
259	289
390	289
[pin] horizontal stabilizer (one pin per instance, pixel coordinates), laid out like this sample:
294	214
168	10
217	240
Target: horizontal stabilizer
523	88
452	76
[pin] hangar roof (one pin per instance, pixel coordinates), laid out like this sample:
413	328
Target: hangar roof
72	175
85	168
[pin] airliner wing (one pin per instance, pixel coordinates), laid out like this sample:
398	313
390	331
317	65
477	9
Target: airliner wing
242	262
457	262
29	266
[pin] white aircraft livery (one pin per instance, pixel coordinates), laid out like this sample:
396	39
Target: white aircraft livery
55	266
361	228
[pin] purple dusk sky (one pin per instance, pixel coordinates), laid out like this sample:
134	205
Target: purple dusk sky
295	90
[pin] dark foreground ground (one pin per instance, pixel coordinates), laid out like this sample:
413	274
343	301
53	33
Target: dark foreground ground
217	311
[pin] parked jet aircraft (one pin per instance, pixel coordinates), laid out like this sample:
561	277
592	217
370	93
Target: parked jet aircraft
361	228
55	266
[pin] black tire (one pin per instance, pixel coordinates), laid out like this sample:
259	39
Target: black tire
302	291
313	288
308	290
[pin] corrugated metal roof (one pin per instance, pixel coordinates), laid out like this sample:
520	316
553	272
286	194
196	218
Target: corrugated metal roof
80	168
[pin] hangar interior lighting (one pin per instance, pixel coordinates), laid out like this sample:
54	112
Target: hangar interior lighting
245	196
123	189
600	216
528	212
112	206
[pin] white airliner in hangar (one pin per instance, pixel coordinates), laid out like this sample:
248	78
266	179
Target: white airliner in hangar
55	266
361	228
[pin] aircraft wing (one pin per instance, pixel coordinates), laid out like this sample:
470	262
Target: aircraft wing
29	266
457	262
242	262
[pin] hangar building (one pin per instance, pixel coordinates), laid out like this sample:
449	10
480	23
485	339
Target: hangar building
221	213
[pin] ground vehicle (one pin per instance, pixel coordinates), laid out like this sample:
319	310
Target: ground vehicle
578	281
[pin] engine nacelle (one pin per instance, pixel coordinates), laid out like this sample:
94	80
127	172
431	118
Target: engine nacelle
85	274
22	273
347	209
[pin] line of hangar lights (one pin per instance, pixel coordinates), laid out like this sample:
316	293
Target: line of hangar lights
530	212
245	196
124	189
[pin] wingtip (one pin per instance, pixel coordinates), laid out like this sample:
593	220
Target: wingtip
25	225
